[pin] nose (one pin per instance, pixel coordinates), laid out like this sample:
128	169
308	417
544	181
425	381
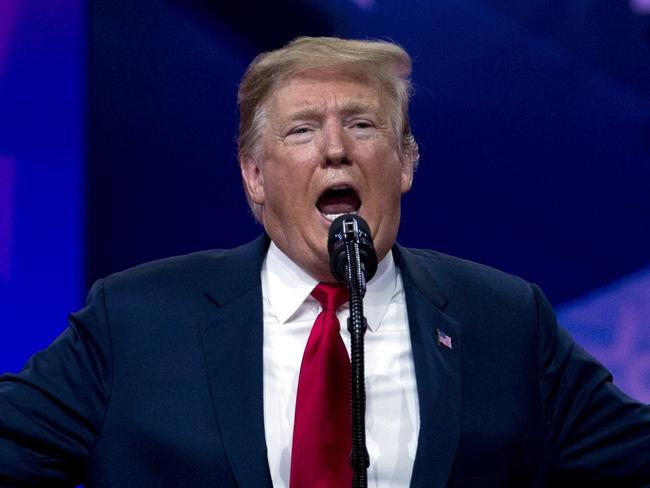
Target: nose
336	152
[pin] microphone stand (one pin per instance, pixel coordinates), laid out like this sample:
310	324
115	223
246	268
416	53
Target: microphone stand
357	325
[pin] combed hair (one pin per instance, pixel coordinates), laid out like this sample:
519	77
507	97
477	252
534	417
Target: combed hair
381	60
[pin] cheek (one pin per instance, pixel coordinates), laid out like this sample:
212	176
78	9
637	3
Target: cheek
287	186
289	160
389	176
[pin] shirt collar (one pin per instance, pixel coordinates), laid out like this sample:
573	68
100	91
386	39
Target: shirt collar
286	287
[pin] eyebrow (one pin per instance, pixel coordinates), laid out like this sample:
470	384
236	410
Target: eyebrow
348	109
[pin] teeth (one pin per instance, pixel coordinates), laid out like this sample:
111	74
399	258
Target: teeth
333	217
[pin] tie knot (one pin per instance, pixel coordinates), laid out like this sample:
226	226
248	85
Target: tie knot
331	297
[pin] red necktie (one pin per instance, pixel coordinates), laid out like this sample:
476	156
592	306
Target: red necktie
322	431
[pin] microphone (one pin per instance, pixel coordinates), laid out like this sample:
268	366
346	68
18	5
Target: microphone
350	229
353	261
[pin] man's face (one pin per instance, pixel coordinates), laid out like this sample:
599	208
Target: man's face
327	148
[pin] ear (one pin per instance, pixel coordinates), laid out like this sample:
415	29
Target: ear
407	173
253	179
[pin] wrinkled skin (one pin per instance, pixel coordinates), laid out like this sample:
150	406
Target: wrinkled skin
326	129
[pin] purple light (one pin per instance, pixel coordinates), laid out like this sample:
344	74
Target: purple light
640	6
8	10
614	325
364	4
7	174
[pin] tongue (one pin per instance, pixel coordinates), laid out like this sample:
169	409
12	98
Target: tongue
338	202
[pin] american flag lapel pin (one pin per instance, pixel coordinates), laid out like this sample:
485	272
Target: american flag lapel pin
443	339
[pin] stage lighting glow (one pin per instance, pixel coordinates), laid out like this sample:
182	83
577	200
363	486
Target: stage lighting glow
7	178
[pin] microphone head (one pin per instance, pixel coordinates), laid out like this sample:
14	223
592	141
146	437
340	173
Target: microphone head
336	248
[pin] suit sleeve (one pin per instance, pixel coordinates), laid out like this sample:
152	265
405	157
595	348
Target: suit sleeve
596	432
51	413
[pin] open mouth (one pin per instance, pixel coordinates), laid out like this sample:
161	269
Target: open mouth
338	201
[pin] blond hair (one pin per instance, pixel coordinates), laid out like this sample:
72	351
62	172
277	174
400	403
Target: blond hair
384	61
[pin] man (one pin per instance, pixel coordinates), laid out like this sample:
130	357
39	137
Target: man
186	371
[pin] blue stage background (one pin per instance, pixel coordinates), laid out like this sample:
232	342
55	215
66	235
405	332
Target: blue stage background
118	119
42	172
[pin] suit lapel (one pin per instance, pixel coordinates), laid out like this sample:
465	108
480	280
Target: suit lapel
233	340
437	370
232	343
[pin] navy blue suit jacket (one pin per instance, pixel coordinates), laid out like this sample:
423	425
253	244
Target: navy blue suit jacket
157	383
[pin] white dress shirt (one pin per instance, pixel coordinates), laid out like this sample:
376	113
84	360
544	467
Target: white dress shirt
392	411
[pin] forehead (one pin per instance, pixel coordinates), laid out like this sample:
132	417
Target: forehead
324	89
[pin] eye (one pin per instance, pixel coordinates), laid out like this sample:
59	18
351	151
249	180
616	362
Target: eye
361	127
300	133
300	130
362	124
